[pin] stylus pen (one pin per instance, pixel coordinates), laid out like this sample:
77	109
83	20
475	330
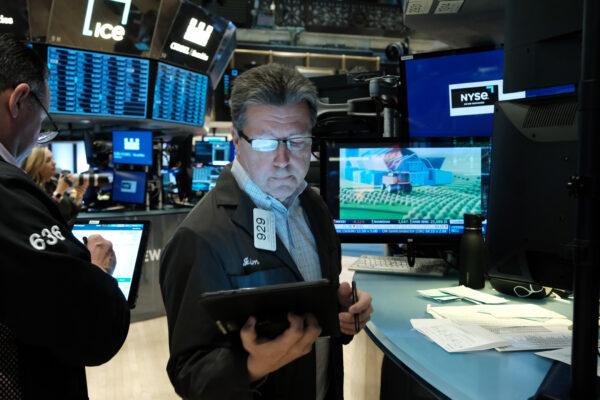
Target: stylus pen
354	300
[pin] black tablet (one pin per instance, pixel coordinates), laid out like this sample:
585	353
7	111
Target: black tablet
270	304
129	239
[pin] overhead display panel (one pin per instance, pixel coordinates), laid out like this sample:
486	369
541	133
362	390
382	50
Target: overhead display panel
14	18
200	41
97	84
179	95
115	26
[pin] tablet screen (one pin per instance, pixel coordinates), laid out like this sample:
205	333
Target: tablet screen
127	240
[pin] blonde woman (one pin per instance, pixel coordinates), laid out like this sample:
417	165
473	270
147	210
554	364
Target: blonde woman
40	165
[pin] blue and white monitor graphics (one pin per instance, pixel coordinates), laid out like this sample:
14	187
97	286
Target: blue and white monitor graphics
416	190
220	153
126	240
129	187
97	84
132	147
205	178
454	95
179	95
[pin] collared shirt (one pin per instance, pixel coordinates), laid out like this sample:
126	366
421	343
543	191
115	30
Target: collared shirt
295	234
5	154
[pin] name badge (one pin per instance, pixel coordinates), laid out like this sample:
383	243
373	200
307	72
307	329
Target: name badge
264	230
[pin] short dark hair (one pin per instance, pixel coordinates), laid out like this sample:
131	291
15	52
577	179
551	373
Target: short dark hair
21	64
271	84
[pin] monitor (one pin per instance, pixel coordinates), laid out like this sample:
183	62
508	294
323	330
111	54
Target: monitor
179	95
203	152
129	239
205	178
14	18
118	26
451	94
220	153
129	187
97	84
70	155
386	192
132	147
531	215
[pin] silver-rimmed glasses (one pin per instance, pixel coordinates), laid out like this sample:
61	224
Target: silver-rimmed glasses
296	144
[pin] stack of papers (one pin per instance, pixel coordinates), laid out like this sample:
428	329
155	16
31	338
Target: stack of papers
461	292
503	327
453	337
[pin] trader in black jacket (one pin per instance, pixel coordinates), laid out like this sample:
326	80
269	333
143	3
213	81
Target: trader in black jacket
60	309
273	110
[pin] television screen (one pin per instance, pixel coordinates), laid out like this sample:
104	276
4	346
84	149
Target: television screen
387	192
129	187
118	26
179	95
14	18
454	94
97	84
132	147
205	178
70	156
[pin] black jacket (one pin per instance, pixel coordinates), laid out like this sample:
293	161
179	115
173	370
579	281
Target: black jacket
207	254
62	312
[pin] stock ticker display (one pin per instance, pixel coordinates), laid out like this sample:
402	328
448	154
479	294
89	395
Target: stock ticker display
179	95
97	84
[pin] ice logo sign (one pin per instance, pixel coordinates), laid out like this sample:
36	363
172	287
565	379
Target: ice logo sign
474	98
198	32
128	186
105	30
132	144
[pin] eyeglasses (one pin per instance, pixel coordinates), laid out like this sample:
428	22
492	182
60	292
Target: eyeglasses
47	135
293	144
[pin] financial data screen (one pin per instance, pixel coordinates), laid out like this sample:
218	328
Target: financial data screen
89	83
179	95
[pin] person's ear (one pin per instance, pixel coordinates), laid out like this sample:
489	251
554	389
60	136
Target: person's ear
235	137
17	98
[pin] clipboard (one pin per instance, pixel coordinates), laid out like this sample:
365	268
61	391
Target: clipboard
270	305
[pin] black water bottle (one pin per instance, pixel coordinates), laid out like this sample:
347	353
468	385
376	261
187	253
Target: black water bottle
473	253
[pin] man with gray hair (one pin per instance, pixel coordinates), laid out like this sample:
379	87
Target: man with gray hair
273	110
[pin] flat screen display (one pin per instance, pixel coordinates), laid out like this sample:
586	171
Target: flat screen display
205	178
381	190
179	95
97	84
454	94
127	241
132	147
129	187
114	26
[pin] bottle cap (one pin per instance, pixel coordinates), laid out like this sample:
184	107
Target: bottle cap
473	221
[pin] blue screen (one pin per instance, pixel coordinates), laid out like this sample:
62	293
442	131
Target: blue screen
205	178
454	95
132	147
89	83
179	95
129	187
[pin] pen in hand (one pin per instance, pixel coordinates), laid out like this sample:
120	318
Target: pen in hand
354	300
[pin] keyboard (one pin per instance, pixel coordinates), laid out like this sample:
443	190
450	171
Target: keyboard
399	265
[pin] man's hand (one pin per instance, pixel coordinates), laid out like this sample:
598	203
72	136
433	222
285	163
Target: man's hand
362	307
266	356
103	255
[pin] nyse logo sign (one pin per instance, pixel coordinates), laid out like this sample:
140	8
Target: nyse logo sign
132	144
475	98
198	32
105	30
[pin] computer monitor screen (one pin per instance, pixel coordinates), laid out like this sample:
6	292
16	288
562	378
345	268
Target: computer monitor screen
129	187
97	84
384	191
118	26
531	215
70	156
205	178
179	95
203	152
132	147
453	94
220	153
128	239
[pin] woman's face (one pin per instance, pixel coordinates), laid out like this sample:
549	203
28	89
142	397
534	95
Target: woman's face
48	168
